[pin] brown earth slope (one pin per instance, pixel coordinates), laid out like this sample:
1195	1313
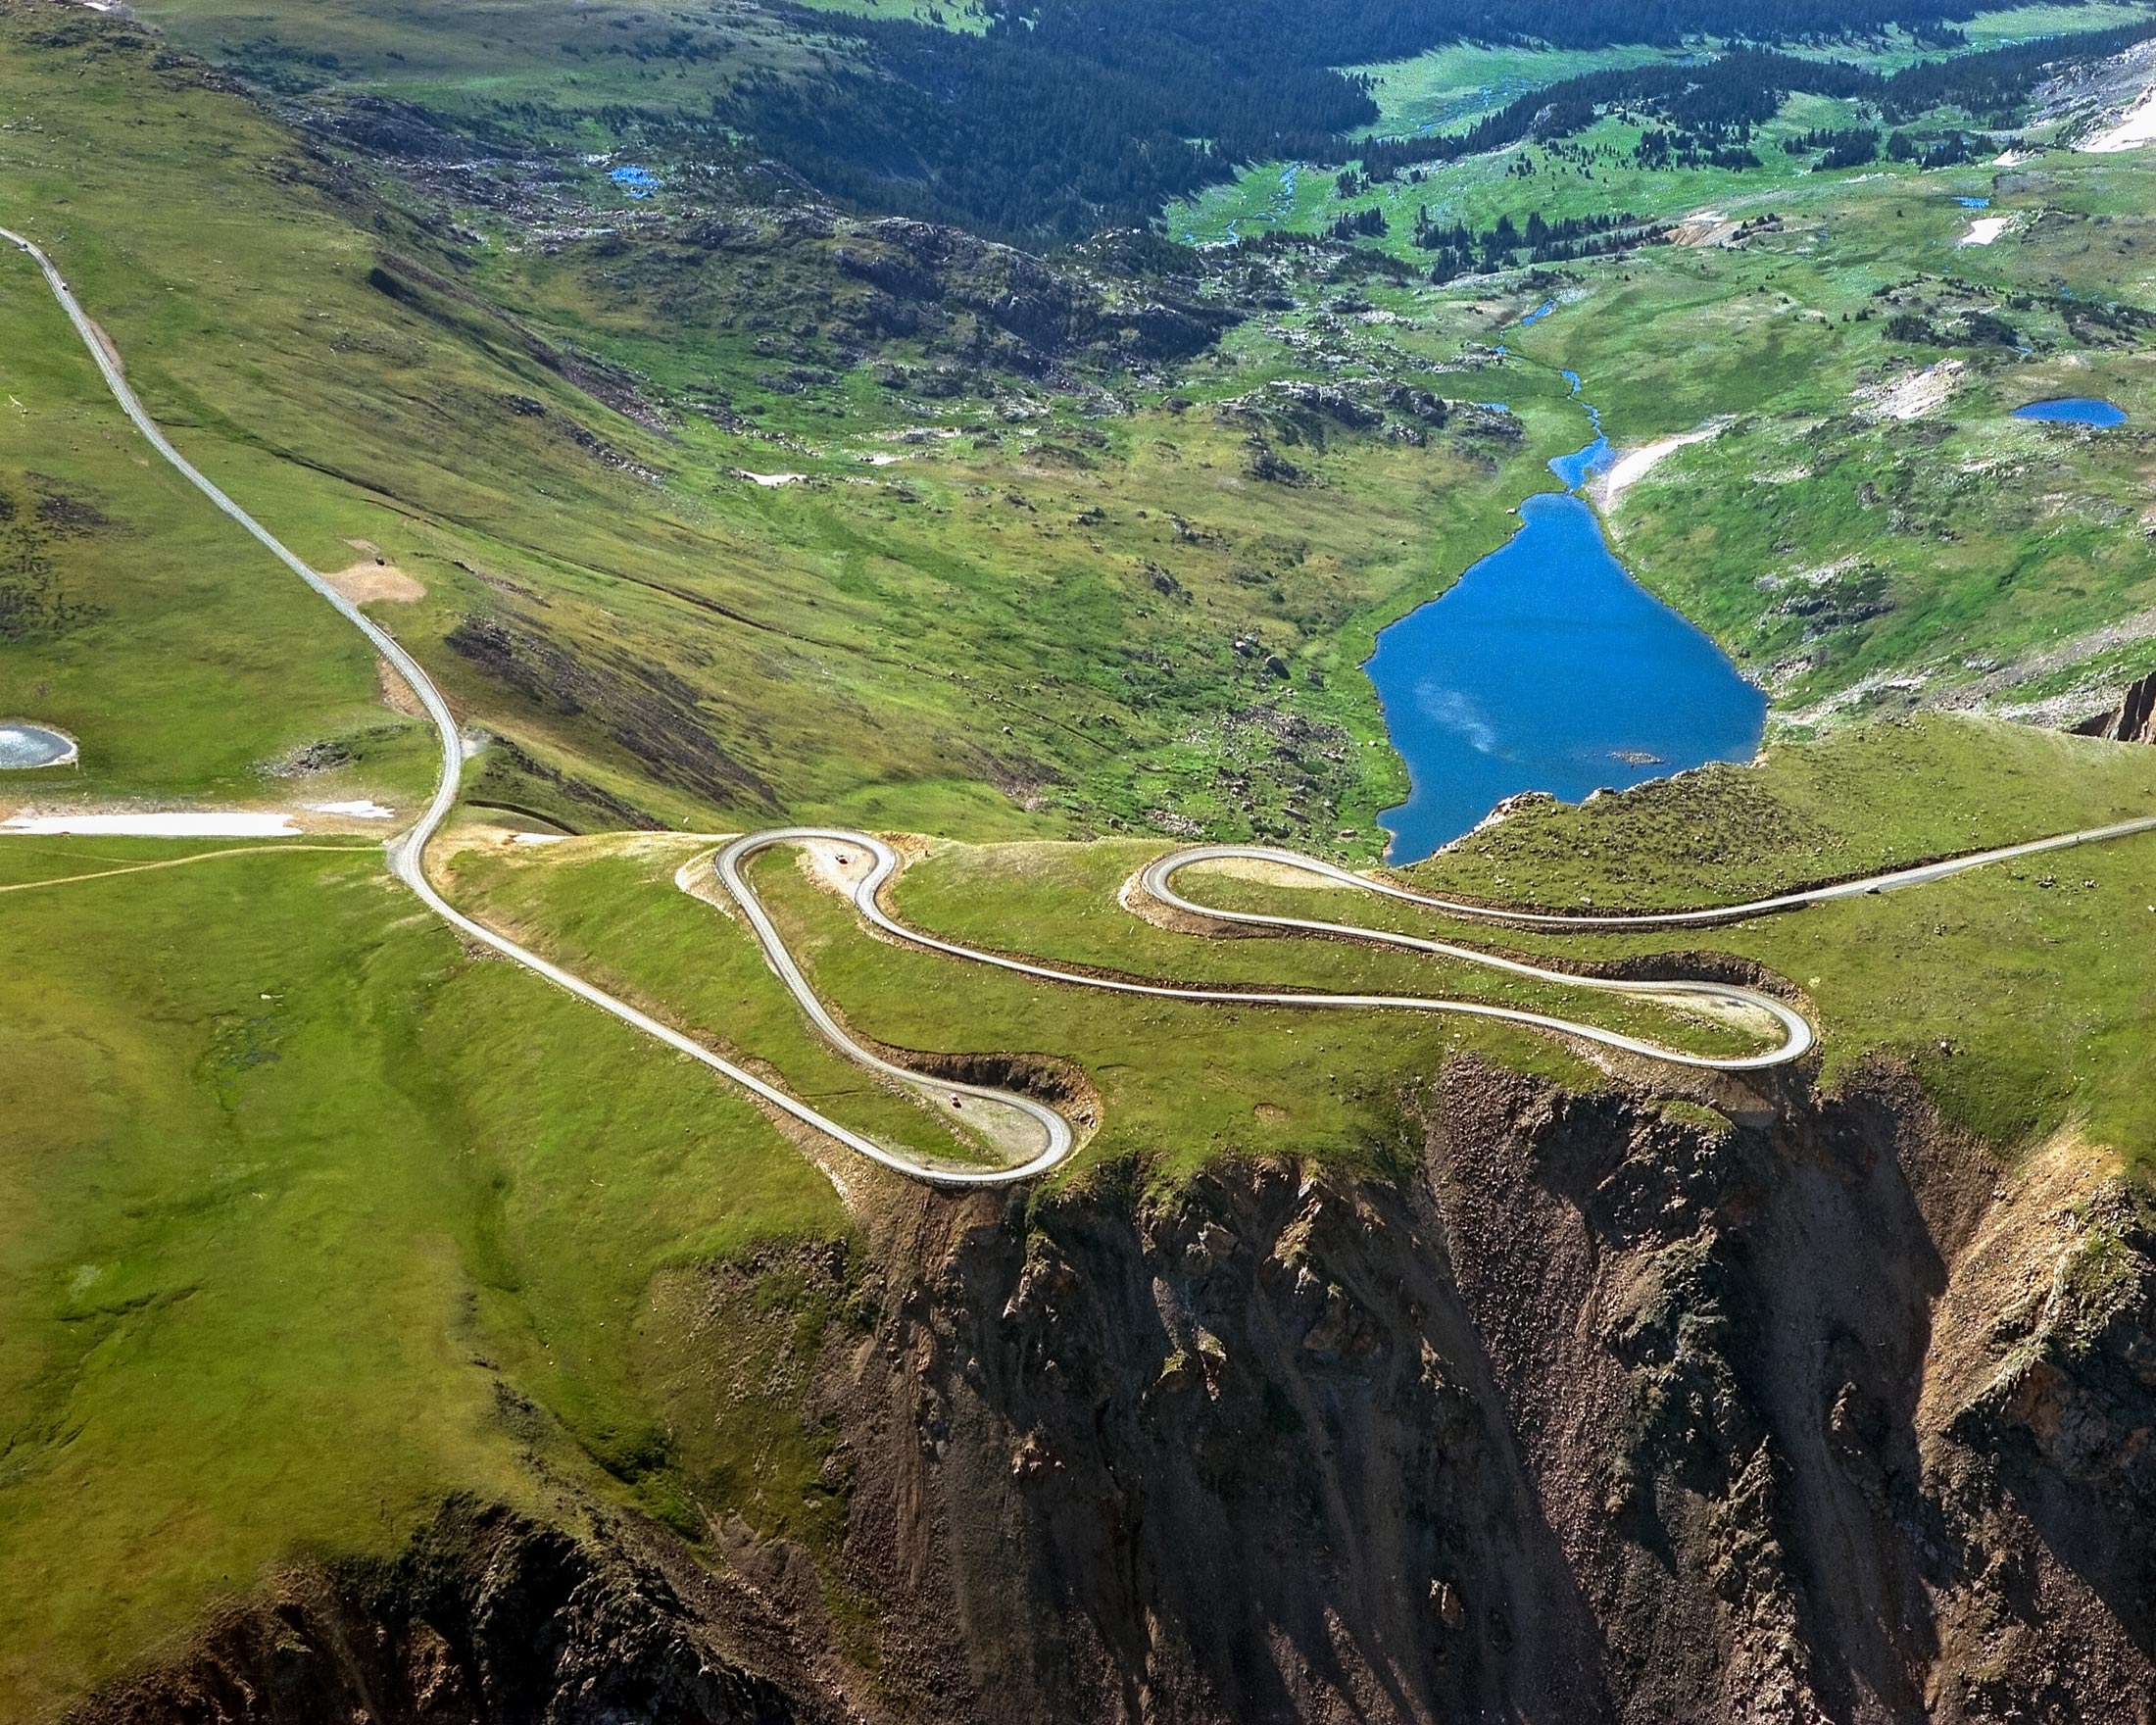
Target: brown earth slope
1594	1413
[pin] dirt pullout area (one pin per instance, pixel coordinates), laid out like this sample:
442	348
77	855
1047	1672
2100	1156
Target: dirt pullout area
397	694
105	343
1588	1410
1264	873
834	867
374	578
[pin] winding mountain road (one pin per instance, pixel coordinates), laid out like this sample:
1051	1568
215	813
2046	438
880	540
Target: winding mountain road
1053	1136
1157	875
1797	1035
408	852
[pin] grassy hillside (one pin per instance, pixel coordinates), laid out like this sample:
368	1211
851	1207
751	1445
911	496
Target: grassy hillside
1851	559
550	71
1838	548
2019	994
132	616
729	508
545	411
309	1219
325	355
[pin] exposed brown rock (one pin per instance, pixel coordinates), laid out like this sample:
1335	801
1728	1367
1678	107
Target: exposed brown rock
2132	720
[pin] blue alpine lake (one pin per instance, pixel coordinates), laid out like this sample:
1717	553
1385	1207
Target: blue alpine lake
2073	410
1546	668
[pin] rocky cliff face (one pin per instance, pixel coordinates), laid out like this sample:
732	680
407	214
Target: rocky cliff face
1597	1413
2132	720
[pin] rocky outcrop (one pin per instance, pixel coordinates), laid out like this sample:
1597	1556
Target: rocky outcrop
1302	413
1595	1413
488	1617
2132	720
1044	312
1586	1408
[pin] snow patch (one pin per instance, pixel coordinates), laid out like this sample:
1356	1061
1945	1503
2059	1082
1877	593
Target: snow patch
229	823
359	809
2136	127
1915	395
1629	469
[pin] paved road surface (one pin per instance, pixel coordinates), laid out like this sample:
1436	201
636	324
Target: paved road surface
1797	1034
408	853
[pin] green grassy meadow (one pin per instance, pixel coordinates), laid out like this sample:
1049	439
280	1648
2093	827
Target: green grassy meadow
1448	88
311	1218
2019	994
554	70
324	1130
1852	562
1860	563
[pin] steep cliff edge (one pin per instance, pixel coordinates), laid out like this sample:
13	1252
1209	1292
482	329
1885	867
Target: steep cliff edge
1601	1410
2132	720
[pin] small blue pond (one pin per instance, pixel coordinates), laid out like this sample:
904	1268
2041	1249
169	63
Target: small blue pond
1546	668
638	182
1974	203
33	745
2073	410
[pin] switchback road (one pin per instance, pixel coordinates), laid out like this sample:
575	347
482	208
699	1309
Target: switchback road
1053	1134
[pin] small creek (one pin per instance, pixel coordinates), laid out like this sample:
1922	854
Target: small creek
1547	667
33	745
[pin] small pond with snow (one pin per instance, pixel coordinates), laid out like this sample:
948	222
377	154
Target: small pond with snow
23	744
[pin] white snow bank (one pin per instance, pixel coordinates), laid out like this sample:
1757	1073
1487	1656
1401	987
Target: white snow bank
230	823
1913	396
362	809
2137	127
1629	469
